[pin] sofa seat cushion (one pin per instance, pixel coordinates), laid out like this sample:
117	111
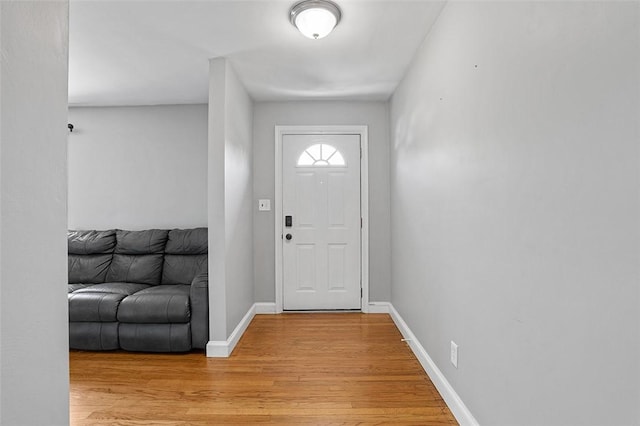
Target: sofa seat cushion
155	337
117	288
74	287
163	304
93	336
94	307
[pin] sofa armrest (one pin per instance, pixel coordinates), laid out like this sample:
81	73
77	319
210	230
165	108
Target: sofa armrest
199	296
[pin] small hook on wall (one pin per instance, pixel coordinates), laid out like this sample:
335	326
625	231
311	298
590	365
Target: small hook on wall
70	126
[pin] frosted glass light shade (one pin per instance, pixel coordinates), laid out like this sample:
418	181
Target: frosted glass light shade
315	18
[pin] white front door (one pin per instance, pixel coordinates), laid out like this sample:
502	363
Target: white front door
321	222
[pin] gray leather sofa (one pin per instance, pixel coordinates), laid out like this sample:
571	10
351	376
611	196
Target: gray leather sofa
138	290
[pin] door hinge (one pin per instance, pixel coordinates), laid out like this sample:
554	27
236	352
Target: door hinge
360	292
360	223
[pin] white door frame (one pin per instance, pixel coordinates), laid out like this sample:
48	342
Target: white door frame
363	131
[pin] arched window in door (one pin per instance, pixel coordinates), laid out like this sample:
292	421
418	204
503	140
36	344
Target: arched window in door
320	155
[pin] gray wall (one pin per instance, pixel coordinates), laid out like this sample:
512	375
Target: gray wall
138	167
238	202
516	210
34	357
269	114
230	200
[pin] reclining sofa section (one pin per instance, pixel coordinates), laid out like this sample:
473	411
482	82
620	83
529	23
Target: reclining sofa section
138	290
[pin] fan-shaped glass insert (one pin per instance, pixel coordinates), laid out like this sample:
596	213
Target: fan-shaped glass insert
321	155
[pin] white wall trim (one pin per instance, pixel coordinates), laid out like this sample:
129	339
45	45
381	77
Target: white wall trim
364	212
378	308
265	308
363	131
224	348
454	402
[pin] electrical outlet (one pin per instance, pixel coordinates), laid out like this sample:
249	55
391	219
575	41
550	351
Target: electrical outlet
454	354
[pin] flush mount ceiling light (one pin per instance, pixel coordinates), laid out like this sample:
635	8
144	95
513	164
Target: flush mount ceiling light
315	18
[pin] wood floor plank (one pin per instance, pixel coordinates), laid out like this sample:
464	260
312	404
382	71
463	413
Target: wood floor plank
303	369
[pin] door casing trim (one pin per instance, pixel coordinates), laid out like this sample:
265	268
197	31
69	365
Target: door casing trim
363	132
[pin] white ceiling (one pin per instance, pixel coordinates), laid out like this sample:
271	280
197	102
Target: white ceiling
156	51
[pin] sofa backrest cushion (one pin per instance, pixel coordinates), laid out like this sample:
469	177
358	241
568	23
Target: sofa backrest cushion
91	242
90	254
185	255
150	241
138	257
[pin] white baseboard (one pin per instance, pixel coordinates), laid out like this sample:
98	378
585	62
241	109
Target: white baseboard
378	308
224	348
265	308
455	404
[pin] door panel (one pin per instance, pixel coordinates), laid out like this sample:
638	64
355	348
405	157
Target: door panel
321	191
336	266
306	199
335	206
306	267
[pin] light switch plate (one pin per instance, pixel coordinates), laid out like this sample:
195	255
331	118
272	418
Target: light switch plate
264	205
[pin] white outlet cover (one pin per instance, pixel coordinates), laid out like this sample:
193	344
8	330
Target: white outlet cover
264	205
454	354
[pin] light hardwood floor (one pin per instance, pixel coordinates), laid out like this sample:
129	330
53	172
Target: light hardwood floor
324	369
